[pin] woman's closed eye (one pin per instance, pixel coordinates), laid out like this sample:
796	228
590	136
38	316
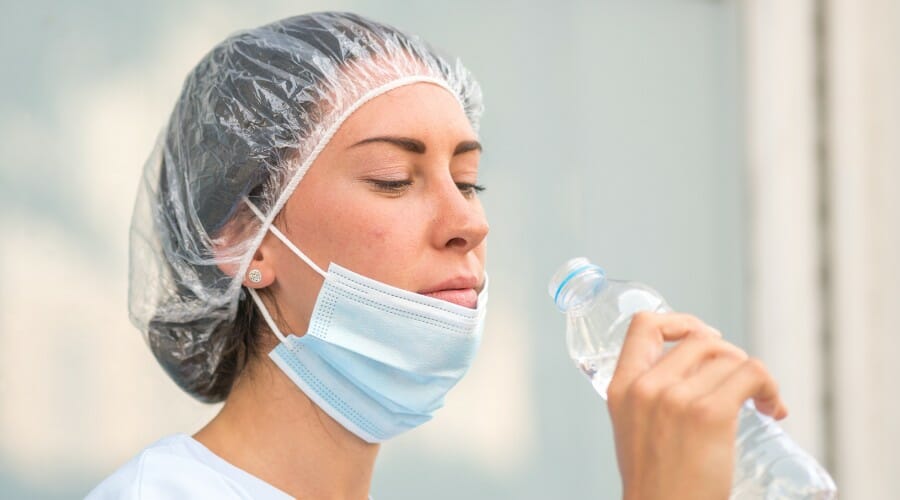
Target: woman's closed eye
469	189
390	186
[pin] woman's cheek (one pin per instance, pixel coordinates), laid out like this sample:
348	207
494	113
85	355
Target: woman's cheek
377	235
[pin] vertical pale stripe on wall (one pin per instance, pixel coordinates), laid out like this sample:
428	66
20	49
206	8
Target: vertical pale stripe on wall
864	188
785	293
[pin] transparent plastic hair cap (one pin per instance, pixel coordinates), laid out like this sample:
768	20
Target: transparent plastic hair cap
251	118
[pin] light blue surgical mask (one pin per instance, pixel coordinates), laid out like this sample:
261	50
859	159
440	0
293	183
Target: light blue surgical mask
376	358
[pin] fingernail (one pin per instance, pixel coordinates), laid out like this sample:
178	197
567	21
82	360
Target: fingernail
767	407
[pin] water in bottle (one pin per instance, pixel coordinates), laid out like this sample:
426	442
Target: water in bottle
768	465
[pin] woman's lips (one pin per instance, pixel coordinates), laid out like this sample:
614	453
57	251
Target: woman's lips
466	297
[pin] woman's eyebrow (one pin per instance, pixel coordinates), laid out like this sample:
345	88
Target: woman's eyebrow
417	146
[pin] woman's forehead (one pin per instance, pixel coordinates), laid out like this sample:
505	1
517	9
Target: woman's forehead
421	110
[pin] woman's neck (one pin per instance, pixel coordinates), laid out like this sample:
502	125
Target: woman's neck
270	429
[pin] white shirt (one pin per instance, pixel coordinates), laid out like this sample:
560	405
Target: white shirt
177	467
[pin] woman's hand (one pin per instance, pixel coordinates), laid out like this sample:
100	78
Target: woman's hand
675	413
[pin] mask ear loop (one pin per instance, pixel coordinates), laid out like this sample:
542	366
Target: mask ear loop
256	299
290	244
267	316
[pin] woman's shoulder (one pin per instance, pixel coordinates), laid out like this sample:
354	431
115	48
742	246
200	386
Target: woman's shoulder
176	467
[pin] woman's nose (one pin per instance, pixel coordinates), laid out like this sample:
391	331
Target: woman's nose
459	220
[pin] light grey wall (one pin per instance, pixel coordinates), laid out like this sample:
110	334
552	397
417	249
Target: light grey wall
612	130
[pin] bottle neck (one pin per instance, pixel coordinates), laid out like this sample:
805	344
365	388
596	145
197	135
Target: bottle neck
579	287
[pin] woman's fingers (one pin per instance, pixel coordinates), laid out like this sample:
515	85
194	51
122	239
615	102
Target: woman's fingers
750	380
701	366
644	342
692	352
677	399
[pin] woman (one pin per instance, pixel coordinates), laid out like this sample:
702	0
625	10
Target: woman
309	247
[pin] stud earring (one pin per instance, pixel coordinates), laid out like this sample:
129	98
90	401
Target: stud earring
255	276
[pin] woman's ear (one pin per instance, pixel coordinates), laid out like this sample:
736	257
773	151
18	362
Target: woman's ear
260	273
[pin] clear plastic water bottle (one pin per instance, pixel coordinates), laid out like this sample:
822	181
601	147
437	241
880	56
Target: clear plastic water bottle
768	465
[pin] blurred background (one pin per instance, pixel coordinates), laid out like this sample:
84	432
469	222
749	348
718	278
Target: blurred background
741	156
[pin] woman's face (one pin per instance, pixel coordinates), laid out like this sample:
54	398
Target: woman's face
392	197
